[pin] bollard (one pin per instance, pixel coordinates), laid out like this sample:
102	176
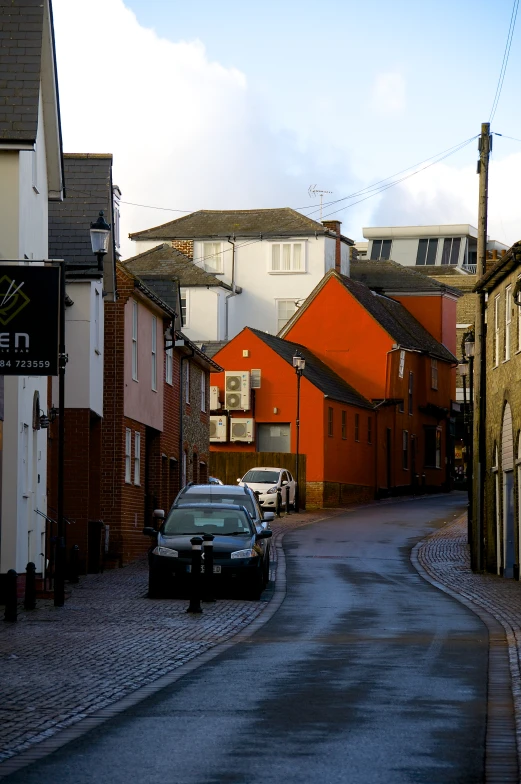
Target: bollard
74	564
208	581
30	586
287	500
11	610
195	578
279	502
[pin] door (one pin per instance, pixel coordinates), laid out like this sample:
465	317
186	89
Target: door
508	523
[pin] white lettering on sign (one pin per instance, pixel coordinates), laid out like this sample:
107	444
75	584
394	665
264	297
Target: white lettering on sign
4	339
19	336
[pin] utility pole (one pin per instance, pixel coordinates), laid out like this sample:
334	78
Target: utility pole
480	365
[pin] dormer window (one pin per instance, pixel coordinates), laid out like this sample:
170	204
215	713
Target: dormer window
381	249
427	250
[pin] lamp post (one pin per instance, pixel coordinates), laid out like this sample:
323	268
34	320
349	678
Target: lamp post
299	363
469	351
463	370
99	238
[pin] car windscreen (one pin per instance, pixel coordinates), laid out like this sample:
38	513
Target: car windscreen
262	477
206	521
218	498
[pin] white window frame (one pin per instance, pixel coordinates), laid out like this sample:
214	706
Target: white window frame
185	295
137	458
134	341
508	321
169	365
128	455
434	373
496	329
288	265
97	318
213	257
402	364
278	318
203	391
187	383
153	355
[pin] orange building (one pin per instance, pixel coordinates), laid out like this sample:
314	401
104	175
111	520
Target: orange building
386	430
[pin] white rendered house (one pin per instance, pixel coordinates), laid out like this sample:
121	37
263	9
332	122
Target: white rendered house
30	175
267	261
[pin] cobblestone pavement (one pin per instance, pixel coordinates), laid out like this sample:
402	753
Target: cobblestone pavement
60	665
445	558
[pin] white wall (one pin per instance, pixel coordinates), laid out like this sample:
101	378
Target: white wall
204	313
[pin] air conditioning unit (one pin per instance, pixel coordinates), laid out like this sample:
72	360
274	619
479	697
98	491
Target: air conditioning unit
242	430
237	390
218	429
215	403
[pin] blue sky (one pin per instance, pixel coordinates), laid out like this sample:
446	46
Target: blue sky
252	103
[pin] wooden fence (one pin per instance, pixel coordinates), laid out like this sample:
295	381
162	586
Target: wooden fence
229	466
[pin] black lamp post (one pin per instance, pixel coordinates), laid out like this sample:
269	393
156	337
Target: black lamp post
99	238
469	351
299	363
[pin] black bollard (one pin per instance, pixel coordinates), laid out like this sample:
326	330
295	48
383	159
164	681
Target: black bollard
195	577
11	587
30	586
279	502
208	592
287	500
74	564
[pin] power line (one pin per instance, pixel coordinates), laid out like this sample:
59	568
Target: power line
506	55
504	136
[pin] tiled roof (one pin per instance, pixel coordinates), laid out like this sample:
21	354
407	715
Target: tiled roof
211	347
238	223
165	288
21	35
89	190
317	373
501	268
396	320
389	276
165	259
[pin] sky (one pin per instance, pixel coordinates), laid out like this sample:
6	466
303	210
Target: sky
236	105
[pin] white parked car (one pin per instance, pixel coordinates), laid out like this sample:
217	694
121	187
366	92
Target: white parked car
265	482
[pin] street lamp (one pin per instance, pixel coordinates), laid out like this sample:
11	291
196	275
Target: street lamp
99	238
299	363
470	346
465	369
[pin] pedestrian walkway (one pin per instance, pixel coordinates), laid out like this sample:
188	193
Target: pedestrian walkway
61	665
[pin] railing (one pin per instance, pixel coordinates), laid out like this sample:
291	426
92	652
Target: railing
470	269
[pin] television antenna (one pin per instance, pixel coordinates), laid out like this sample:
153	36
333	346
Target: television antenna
314	191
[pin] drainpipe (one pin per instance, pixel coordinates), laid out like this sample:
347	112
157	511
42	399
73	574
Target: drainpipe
182	405
233	293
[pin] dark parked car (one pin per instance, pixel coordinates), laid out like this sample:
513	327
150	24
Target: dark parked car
241	549
225	494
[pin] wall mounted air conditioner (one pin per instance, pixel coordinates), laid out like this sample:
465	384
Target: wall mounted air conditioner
242	430
215	403
218	429
237	390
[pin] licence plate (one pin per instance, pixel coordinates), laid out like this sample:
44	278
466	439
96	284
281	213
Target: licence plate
216	568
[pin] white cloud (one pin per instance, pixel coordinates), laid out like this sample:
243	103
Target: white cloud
388	93
450	195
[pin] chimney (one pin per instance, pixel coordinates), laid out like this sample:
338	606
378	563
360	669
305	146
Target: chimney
184	246
334	225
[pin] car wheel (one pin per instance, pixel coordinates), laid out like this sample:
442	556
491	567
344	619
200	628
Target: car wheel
256	587
266	570
156	588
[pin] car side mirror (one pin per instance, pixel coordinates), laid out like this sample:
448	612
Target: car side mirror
267	534
149	531
269	516
284	483
239	481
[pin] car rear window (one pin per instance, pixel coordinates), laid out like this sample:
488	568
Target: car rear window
206	521
218	498
263	477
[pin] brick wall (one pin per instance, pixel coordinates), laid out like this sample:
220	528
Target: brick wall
196	424
321	495
185	246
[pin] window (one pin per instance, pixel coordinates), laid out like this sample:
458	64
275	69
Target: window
203	391
285	309
427	250
213	257
187	382
137	458
496	330
169	364
128	454
451	249
508	321
369	430
381	249
405	450
154	354
402	364
134	340
184	306
433	447
344	424
97	325
357	427
287	257
434	374
411	384
330	421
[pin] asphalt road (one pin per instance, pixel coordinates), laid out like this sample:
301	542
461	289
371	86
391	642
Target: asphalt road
366	674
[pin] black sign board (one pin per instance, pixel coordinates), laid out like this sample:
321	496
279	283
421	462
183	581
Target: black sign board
29	313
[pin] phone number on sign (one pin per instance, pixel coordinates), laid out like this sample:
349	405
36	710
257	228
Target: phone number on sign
25	363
